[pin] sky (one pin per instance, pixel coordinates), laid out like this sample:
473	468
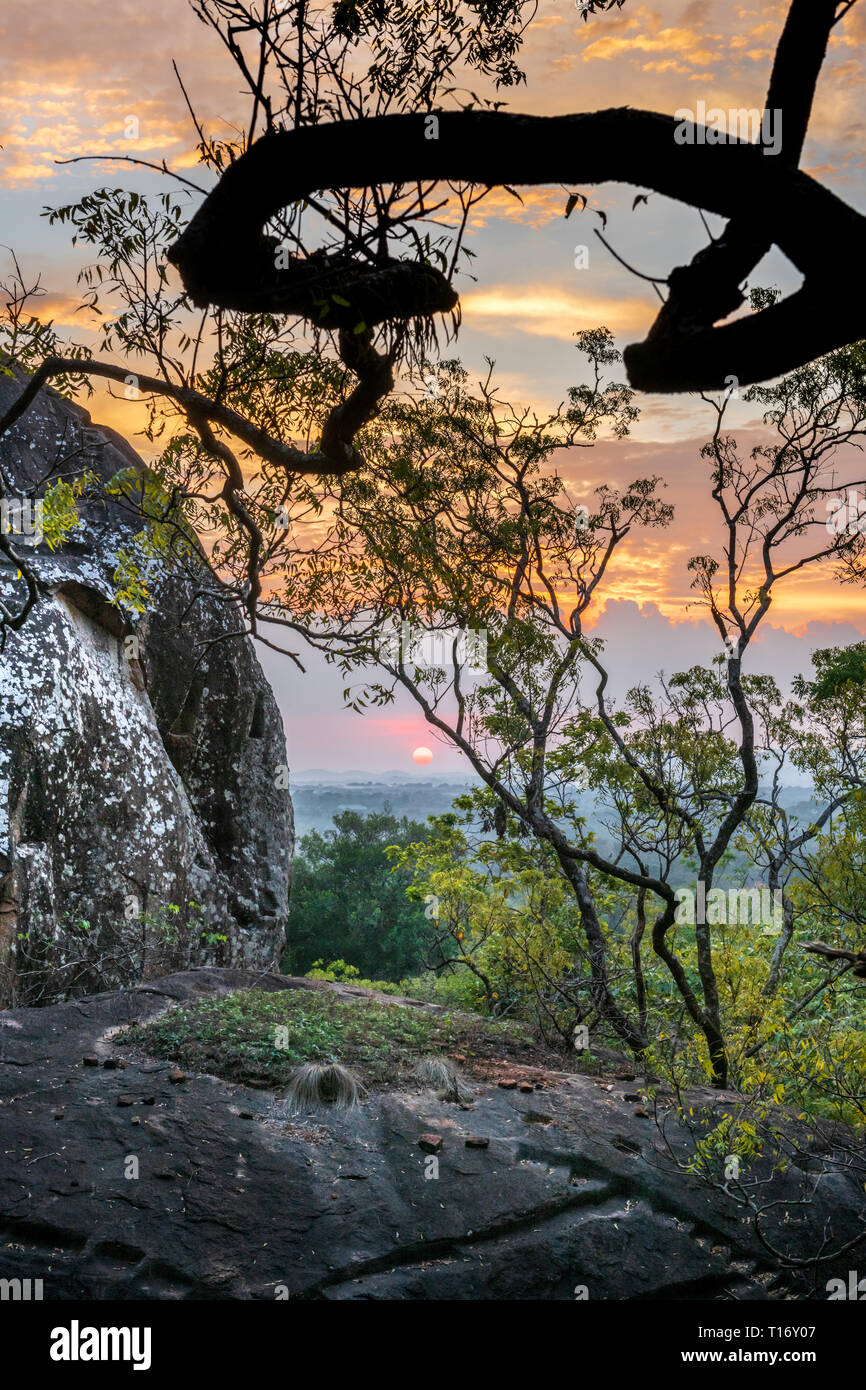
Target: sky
74	75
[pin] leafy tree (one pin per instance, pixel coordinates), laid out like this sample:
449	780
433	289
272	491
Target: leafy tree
456	518
460	523
319	263
349	903
280	393
503	916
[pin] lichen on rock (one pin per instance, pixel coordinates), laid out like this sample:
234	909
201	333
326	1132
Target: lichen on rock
145	818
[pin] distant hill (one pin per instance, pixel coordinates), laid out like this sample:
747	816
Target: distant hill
318	797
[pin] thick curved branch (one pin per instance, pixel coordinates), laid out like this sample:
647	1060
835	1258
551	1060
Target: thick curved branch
224	258
332	291
709	288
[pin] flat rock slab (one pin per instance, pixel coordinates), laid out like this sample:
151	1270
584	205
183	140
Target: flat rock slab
211	1190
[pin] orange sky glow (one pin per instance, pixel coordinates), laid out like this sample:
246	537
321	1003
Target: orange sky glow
98	80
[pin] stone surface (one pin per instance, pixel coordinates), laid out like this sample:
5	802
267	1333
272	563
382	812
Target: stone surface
225	1207
142	760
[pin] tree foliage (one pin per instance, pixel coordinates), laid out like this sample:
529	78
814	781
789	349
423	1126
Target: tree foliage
348	903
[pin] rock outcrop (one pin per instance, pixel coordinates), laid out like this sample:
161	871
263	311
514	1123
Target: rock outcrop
142	759
121	1178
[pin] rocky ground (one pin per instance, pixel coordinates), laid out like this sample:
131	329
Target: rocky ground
122	1176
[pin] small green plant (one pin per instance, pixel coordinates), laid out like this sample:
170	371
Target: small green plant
83	957
260	1037
341	972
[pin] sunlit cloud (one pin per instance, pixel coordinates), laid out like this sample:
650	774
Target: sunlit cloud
534	207
71	86
63	311
685	42
549	311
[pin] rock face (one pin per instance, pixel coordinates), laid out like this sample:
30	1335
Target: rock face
152	1186
142	761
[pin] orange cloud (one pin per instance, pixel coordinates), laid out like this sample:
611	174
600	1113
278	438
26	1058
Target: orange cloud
549	310
63	310
682	41
535	207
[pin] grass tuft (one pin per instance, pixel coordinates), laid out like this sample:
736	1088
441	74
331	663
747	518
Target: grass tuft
441	1074
328	1083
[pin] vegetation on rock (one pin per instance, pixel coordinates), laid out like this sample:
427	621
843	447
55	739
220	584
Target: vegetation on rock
259	1038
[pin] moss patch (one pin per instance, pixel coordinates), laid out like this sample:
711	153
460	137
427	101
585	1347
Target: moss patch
257	1037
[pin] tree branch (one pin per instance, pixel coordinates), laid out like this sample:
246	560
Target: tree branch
225	259
338	453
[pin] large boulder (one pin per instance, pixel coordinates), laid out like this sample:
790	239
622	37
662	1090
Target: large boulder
142	756
134	1180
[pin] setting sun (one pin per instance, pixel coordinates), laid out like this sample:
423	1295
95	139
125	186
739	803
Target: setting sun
422	755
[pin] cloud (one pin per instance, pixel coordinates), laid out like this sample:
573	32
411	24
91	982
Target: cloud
641	642
534	207
70	85
549	311
652	565
684	42
63	310
19	172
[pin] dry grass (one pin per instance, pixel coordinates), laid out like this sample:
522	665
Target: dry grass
442	1076
323	1083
